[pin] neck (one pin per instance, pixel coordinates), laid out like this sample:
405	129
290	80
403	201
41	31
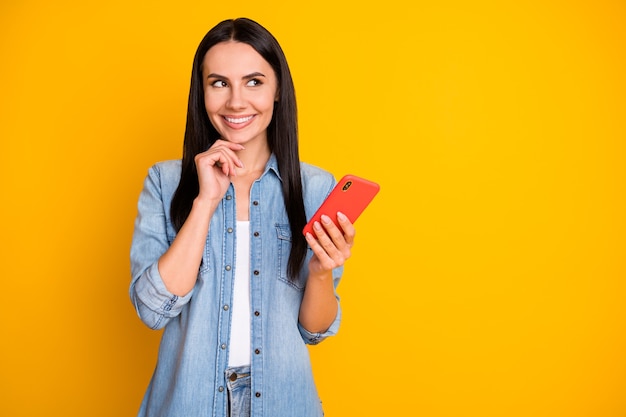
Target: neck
254	158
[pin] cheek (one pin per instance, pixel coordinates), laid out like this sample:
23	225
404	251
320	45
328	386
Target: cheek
212	106
267	103
209	103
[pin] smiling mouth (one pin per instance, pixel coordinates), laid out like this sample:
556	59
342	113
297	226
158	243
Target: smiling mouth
238	120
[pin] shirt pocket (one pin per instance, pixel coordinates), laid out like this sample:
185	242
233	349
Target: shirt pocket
283	233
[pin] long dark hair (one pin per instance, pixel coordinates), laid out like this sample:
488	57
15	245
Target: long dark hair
282	132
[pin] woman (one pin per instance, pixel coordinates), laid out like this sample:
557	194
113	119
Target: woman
218	257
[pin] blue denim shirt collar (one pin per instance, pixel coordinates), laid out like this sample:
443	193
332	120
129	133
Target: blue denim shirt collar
272	165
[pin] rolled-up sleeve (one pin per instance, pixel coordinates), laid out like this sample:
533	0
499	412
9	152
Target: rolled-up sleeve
315	338
154	304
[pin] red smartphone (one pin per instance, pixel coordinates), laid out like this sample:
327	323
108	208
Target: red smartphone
350	196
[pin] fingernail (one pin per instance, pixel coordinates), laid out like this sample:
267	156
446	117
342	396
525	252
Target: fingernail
317	226
325	219
341	216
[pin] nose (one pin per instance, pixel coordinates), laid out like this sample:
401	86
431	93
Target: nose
237	99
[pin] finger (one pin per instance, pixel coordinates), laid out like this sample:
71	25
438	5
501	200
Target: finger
227	144
349	231
228	150
226	162
228	147
207	161
341	239
325	261
333	231
334	246
220	157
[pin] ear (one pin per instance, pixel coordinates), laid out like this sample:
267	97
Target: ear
277	96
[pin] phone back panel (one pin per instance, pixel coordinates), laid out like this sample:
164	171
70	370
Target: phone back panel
350	196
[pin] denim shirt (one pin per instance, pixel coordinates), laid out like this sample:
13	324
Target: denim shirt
189	378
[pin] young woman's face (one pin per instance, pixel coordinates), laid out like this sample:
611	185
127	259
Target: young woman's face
240	88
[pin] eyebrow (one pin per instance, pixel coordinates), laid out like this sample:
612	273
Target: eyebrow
245	77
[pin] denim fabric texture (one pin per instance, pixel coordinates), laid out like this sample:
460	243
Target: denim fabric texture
239	391
189	379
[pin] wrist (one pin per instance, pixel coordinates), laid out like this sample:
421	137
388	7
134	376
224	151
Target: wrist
203	203
320	276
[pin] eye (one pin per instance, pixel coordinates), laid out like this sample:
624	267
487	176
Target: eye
219	84
254	82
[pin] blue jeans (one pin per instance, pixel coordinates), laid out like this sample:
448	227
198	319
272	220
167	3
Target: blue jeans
239	391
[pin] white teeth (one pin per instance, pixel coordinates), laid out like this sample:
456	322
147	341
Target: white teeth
238	120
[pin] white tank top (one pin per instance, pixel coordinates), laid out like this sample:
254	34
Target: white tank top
239	353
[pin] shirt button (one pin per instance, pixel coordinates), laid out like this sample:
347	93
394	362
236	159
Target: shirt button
256	313
229	197
221	389
256	272
229	230
226	307
256	234
227	267
223	346
257	351
256	203
257	394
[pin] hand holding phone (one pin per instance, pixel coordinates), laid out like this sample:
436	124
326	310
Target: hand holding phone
350	196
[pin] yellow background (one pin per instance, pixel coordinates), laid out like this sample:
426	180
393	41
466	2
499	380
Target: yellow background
488	278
